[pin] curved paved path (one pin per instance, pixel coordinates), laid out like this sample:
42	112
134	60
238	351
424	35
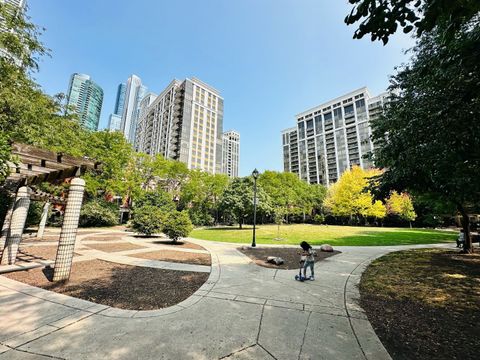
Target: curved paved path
242	312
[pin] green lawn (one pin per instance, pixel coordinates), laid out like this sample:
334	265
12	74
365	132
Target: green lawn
321	234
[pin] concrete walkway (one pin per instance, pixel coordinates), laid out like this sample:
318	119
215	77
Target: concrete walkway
243	311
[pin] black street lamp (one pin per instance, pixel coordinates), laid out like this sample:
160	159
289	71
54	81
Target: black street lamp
255	176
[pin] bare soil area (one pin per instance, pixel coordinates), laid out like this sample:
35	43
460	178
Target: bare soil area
425	303
120	286
291	256
176	256
32	253
114	247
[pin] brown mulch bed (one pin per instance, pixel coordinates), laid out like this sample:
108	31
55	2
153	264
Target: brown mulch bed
425	303
120	286
114	247
108	237
291	256
32	253
45	238
179	244
176	256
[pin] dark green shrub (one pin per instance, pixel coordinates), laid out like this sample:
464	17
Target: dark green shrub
177	225
98	213
147	220
200	217
158	198
34	214
319	219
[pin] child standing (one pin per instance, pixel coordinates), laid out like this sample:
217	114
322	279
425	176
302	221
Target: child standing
308	258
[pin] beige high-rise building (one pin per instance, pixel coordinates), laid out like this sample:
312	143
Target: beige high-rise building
332	137
231	153
184	123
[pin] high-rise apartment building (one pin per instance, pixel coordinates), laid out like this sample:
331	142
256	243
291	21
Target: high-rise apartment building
15	5
230	153
86	98
184	123
332	137
134	92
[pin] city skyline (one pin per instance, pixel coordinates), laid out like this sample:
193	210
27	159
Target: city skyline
283	62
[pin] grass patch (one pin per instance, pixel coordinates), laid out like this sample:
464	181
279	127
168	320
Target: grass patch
425	303
321	234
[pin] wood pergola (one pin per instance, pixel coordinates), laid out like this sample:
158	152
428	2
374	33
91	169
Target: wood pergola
33	166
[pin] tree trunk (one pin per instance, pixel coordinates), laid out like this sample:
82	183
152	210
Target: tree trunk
240	222
467	245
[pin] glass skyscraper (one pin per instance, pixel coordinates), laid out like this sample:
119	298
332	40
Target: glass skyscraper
127	107
86	99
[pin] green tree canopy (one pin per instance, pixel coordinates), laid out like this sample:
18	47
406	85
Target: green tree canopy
382	18
237	200
428	139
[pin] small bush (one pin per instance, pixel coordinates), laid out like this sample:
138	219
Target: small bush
147	220
34	214
177	225
319	219
98	213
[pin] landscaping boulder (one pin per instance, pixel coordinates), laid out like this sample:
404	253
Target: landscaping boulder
326	248
275	260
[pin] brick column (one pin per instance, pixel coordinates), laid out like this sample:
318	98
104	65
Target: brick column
43	221
19	216
6	226
68	235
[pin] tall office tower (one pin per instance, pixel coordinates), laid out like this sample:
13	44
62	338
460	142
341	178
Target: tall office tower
115	119
185	123
114	122
332	137
134	93
230	153
142	134
86	97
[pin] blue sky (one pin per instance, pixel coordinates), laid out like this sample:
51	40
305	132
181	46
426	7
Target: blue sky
270	59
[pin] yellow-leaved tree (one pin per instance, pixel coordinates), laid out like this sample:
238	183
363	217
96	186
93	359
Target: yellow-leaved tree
349	196
402	206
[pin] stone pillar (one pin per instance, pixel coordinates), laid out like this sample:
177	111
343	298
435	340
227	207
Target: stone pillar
17	223
43	221
68	235
6	226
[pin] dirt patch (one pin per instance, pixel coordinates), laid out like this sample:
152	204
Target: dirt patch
114	247
176	256
107	237
425	303
32	253
120	286
178	244
54	237
290	255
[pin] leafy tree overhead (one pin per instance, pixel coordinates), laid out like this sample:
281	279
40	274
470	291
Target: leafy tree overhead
349	196
429	137
382	18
